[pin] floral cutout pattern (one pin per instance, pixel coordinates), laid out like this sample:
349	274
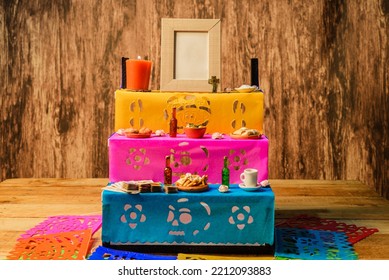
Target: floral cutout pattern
237	159
133	215
240	217
137	158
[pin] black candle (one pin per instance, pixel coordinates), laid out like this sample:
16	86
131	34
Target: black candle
254	72
124	79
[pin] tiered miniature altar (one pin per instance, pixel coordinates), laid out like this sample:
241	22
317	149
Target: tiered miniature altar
180	165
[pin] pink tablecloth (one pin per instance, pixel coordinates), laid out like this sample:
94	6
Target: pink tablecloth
144	159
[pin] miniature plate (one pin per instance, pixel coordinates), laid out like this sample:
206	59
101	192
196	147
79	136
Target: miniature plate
235	136
138	135
245	89
249	189
199	188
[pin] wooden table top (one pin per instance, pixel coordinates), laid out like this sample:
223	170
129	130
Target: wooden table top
26	202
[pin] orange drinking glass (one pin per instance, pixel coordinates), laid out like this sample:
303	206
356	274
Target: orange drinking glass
138	74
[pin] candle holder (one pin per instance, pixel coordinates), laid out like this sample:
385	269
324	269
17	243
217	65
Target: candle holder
138	74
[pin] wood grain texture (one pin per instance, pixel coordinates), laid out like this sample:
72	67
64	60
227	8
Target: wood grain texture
25	203
323	66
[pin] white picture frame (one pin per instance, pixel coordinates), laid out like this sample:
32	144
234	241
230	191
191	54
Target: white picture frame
190	54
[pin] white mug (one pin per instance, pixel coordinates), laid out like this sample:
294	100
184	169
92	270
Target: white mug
249	177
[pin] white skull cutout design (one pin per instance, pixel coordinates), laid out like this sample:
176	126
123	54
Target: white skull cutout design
181	217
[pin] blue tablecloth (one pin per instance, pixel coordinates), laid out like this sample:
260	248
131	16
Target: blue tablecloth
207	218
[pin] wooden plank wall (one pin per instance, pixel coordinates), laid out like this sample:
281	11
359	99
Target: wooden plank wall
323	65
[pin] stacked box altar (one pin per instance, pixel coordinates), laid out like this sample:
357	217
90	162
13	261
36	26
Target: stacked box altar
237	218
205	222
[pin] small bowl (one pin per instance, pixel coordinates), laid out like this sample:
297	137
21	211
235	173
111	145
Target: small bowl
195	132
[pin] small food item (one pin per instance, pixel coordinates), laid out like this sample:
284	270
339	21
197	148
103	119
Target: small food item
244	131
123	187
188	179
251	132
191	125
131	130
170	189
246	88
130	186
145	130
155	187
240	131
141	185
144	186
217	135
160	132
223	188
192	182
265	184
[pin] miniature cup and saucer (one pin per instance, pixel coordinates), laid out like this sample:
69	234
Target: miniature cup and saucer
249	180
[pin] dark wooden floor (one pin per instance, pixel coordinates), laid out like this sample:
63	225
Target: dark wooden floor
26	202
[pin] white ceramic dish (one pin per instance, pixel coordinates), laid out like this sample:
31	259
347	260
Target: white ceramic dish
249	189
246	89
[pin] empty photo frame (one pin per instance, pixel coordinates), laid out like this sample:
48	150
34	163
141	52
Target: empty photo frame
190	54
